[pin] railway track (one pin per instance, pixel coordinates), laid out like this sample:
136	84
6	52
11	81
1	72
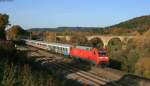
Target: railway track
87	75
80	74
107	73
72	71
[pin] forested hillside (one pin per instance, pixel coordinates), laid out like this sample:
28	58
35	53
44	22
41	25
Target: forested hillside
135	23
133	26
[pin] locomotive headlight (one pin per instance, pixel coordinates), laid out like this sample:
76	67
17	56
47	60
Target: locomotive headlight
104	57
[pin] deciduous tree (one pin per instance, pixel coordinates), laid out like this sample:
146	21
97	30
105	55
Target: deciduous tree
78	38
143	67
16	32
3	24
96	42
49	36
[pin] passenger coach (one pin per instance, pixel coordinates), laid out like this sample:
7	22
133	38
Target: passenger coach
93	55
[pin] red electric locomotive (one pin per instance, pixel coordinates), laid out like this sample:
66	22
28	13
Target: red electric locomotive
93	55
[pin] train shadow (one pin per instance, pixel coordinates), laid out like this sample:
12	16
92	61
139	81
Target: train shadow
115	64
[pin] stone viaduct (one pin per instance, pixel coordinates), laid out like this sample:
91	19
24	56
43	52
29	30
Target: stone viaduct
104	39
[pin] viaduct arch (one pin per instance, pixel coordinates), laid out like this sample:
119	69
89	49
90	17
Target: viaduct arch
105	39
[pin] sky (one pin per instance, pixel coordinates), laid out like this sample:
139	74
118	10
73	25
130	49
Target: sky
84	13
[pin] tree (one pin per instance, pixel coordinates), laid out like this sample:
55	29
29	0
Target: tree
129	57
61	40
78	38
16	32
135	33
114	46
96	42
145	44
143	67
3	24
49	36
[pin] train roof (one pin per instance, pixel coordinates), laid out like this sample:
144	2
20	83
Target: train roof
60	44
54	44
84	47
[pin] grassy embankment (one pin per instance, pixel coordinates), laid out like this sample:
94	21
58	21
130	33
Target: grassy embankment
17	70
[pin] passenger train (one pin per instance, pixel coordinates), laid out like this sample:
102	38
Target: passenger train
93	55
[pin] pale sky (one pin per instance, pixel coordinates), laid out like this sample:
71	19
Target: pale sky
85	13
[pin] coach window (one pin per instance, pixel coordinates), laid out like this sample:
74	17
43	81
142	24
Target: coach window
66	49
61	49
58	48
55	47
50	47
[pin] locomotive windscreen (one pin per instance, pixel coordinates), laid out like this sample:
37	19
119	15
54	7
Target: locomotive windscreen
102	52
